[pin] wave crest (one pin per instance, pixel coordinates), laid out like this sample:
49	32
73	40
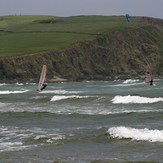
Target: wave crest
58	98
60	92
136	134
130	81
12	92
135	99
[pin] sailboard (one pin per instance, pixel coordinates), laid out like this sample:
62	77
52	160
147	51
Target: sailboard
42	77
148	75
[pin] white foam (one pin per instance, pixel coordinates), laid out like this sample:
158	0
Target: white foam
2	105
40	137
19	83
58	98
60	92
51	138
12	138
127	84
58	137
135	99
55	138
93	111
105	112
136	134
6	142
1	84
31	83
130	81
12	92
11	135
9	146
55	91
15	146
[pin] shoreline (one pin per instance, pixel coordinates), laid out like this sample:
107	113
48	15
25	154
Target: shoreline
58	80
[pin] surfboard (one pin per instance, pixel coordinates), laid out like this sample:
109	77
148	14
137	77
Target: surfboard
42	77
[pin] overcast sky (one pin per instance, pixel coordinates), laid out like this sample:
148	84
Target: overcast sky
151	8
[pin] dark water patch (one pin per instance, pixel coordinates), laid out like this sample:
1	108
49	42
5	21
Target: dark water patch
146	119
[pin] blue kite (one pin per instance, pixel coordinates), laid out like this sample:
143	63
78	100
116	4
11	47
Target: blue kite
128	17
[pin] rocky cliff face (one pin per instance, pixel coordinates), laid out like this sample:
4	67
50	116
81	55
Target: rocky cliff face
123	54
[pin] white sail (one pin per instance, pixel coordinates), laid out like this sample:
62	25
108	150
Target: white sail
42	77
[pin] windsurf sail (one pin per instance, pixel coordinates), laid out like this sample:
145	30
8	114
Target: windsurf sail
148	75
42	77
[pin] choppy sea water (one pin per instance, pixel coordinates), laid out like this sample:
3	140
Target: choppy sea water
83	122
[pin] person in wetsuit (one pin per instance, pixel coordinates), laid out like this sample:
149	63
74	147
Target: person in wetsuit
151	82
43	86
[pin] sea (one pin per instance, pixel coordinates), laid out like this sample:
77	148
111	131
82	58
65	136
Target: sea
82	122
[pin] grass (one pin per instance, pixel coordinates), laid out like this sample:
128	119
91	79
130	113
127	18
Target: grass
25	34
36	42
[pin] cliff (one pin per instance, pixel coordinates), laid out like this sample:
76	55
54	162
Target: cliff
121	55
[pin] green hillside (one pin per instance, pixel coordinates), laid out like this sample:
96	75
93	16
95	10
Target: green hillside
28	34
79	47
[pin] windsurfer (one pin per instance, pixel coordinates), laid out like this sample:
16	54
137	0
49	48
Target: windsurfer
151	82
43	86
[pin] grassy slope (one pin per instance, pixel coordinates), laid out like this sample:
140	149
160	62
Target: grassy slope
24	34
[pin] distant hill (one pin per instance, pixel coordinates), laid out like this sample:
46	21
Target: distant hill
21	35
79	47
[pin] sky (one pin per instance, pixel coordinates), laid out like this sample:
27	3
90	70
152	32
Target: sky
150	8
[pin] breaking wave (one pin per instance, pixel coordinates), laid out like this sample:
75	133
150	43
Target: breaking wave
130	81
51	138
12	92
19	83
2	84
135	99
59	92
136	134
58	98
